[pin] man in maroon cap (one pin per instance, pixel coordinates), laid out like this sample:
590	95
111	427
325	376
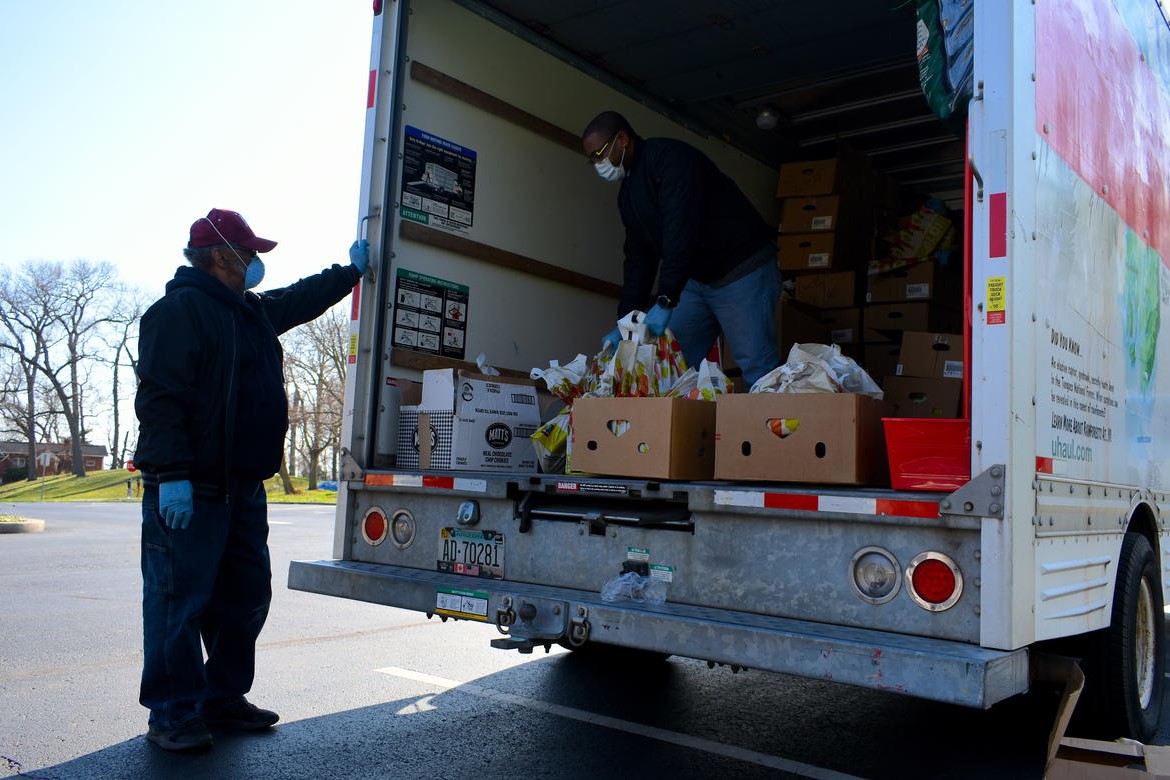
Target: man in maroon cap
212	419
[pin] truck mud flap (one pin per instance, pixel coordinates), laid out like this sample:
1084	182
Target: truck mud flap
935	669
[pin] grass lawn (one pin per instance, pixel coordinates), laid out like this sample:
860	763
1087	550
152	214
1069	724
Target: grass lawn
111	486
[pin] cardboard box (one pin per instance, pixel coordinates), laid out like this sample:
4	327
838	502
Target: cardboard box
832	438
911	396
654	438
810	215
797	324
921	316
473	422
832	290
912	283
844	325
932	355
805	251
848	173
881	360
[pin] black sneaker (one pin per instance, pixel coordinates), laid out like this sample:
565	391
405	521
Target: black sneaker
192	735
240	715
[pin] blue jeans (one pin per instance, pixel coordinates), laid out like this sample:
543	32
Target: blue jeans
745	311
209	583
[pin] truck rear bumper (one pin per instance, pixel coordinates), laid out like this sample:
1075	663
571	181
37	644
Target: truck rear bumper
936	669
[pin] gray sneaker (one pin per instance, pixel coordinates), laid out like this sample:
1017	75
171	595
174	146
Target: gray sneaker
240	715
192	735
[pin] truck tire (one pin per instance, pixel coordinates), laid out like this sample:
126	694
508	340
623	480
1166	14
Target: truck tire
1124	664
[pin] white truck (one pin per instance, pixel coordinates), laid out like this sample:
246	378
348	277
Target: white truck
1056	542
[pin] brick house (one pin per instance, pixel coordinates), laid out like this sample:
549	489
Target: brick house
14	454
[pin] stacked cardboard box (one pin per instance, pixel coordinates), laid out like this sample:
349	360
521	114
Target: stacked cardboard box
928	381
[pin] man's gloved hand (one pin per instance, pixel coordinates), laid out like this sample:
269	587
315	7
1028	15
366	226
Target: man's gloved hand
359	254
657	319
176	503
611	340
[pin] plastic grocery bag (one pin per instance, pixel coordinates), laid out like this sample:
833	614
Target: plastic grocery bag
634	587
641	365
817	368
705	383
565	382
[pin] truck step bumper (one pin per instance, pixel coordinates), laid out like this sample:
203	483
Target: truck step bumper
936	669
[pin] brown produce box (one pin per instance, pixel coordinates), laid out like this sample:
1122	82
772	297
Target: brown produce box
881	360
849	172
932	355
827	290
805	251
920	315
810	215
655	438
911	396
801	437
844	325
910	283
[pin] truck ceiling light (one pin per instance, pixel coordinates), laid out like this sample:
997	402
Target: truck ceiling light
875	575
374	526
935	581
402	529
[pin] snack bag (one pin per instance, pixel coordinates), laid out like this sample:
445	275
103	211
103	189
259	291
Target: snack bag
551	442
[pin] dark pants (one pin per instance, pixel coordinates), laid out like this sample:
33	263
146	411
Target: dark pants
211	582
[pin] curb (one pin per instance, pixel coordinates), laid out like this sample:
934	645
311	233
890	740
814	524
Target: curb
23	527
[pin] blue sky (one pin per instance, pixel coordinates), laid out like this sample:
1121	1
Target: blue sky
123	122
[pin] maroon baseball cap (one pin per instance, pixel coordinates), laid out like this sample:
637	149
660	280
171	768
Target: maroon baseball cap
226	227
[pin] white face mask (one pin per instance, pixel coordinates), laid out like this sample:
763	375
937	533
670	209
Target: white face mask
608	171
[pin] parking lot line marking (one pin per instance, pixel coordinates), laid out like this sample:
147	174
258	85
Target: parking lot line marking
651	732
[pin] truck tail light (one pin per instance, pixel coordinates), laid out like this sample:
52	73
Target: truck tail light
375	527
935	581
875	575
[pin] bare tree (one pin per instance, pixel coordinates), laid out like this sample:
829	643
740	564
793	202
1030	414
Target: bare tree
315	363
51	313
119	340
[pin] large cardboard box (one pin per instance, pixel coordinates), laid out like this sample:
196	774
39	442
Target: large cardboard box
810	215
831	290
844	325
834	438
911	283
470	422
932	355
911	396
849	173
881	360
920	316
808	251
655	438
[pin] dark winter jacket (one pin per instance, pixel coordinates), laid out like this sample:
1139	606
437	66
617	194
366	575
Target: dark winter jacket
211	404
678	208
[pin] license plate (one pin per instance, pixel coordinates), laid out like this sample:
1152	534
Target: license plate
472	553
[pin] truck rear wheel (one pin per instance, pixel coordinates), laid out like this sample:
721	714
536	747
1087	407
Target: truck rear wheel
1124	674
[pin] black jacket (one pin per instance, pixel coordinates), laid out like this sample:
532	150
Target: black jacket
678	208
211	402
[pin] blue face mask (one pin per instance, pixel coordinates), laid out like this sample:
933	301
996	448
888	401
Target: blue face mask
253	271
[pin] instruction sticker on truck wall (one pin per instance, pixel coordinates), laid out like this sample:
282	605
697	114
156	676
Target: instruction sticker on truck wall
467	604
430	314
438	181
996	300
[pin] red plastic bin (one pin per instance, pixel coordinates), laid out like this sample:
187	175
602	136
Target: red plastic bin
928	453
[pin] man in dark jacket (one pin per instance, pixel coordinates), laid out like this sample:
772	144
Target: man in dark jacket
689	223
213	416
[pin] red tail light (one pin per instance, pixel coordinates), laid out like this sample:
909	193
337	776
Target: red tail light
935	581
375	527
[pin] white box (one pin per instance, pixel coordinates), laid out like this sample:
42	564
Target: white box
476	423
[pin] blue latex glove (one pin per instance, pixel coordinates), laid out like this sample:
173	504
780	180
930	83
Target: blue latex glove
176	503
657	319
359	254
611	340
